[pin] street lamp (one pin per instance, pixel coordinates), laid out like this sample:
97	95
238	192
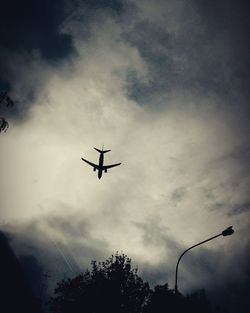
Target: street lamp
227	232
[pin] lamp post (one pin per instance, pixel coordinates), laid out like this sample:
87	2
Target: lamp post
227	232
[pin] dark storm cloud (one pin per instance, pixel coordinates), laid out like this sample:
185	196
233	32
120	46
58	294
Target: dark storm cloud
242	208
114	5
156	235
73	234
32	31
27	25
54	248
207	54
231	19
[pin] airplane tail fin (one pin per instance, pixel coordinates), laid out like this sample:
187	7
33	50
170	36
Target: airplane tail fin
102	151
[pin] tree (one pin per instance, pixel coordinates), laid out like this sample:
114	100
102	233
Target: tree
164	300
114	287
110	286
6	100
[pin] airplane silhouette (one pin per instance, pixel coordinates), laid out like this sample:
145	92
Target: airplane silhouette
100	167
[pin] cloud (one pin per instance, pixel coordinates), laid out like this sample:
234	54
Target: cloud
191	48
141	84
54	247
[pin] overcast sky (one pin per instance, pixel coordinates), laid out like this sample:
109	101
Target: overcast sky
164	85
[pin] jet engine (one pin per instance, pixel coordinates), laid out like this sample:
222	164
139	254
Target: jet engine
106	171
94	169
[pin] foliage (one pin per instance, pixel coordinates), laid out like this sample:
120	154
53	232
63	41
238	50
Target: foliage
110	286
164	300
4	125
6	100
113	286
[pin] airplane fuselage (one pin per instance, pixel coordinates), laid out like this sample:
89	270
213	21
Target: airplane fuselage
101	159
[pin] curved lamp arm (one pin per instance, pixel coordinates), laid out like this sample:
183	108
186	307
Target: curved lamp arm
226	232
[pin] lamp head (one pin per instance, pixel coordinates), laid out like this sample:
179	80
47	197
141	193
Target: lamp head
227	232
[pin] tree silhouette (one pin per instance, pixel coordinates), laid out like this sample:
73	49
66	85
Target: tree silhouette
110	286
6	100
164	300
4	125
113	286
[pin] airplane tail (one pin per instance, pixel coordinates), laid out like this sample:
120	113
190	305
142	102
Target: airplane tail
102	151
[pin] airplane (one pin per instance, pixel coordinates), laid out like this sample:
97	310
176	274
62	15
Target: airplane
100	167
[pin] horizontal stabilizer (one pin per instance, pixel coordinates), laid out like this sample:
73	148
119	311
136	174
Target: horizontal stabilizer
102	151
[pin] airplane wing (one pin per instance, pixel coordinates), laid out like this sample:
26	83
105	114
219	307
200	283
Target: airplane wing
105	167
92	164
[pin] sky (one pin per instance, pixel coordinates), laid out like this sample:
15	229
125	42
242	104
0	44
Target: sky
165	86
